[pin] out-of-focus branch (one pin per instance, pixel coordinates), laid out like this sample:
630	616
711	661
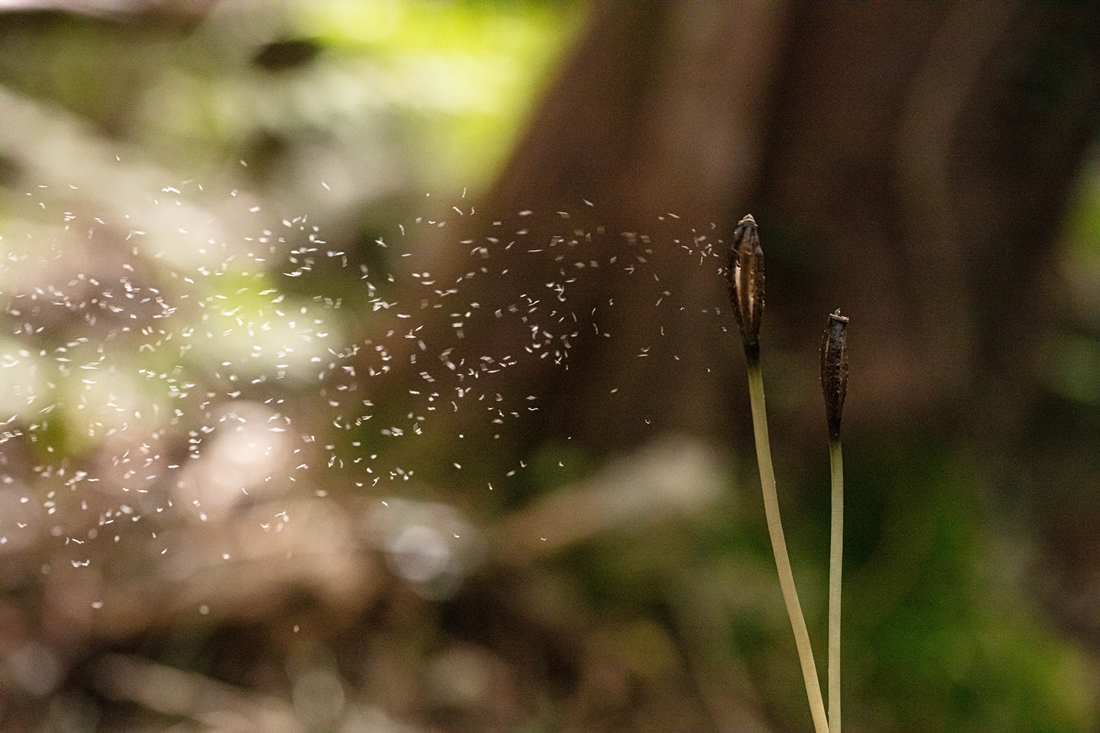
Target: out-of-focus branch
59	150
182	9
661	480
177	693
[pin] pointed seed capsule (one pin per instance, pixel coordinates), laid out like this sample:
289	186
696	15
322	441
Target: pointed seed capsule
834	370
745	279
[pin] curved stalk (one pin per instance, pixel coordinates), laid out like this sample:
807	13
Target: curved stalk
779	545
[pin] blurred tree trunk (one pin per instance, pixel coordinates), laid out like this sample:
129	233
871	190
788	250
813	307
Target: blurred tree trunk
909	164
660	109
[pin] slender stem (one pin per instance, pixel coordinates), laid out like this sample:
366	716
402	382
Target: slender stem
836	554
779	545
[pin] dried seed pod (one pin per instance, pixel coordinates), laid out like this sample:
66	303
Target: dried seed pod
745	279
834	370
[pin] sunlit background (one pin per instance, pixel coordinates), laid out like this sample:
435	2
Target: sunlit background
231	498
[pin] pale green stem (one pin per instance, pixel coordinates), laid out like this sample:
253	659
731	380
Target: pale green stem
836	554
779	546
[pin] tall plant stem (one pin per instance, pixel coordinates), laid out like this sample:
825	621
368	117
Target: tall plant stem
779	544
836	555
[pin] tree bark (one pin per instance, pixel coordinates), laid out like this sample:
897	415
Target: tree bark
907	164
658	121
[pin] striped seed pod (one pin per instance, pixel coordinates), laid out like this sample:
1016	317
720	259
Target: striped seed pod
834	370
745	279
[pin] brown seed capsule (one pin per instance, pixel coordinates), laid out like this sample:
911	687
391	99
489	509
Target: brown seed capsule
745	279
834	370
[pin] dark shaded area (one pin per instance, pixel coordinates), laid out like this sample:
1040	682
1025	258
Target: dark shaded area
287	54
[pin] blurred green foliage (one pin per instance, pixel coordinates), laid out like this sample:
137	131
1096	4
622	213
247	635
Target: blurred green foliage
1070	366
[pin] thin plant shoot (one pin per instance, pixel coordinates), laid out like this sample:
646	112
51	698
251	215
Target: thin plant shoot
745	275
